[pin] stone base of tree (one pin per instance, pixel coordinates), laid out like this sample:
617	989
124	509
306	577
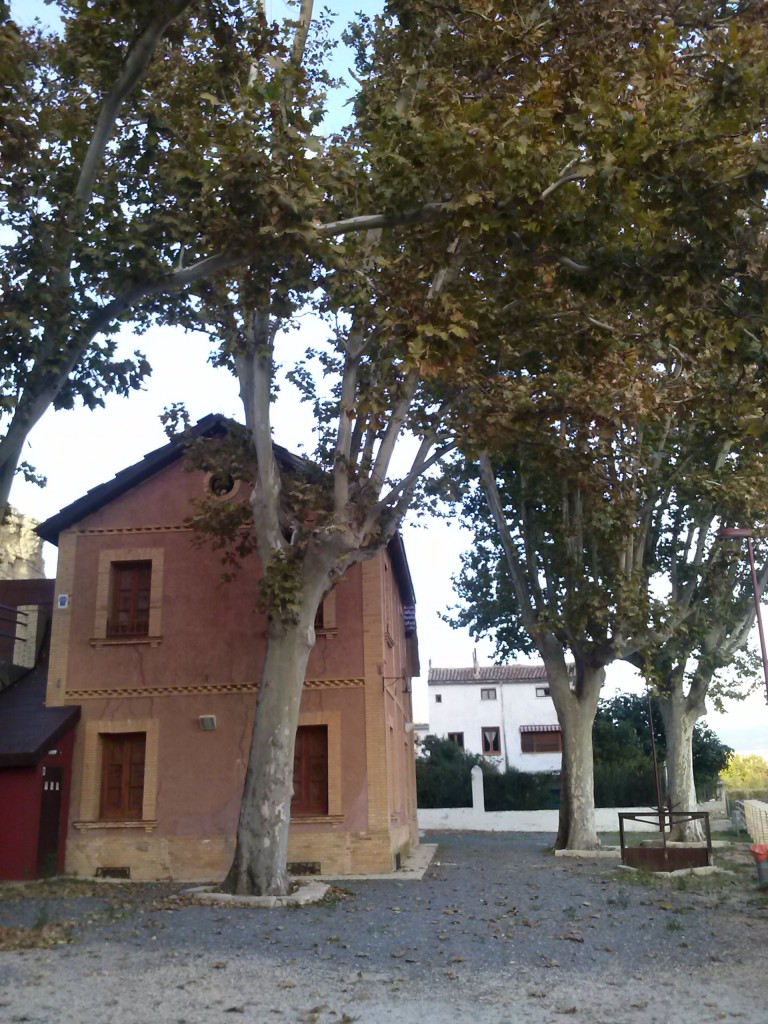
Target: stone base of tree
304	891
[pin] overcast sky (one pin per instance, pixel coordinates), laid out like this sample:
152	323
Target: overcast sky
78	450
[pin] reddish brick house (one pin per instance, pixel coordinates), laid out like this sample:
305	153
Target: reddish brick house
164	660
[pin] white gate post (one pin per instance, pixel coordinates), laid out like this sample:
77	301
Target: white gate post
478	791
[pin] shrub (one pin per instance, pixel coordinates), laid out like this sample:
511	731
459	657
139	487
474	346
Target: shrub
628	784
514	790
444	774
444	779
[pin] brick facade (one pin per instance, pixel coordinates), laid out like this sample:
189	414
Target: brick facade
201	660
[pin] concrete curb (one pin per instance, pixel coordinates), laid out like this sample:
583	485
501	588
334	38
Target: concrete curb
413	869
309	891
662	876
607	852
314	889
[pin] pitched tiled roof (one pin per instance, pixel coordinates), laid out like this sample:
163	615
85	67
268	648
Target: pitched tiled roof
209	426
153	462
487	673
27	727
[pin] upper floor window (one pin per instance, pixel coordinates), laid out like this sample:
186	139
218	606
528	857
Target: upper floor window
129	591
542	691
457	738
438	698
488	693
325	616
131	584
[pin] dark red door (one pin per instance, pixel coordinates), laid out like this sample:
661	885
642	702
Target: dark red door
50	822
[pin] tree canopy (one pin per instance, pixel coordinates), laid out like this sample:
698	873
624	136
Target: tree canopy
537	239
746	772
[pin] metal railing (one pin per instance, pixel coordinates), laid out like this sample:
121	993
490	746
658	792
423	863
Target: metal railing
663	854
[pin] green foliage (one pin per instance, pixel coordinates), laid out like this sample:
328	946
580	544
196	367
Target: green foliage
745	772
623	752
514	790
710	757
444	774
444	779
626	784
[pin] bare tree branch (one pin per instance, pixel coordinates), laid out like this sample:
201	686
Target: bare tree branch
516	571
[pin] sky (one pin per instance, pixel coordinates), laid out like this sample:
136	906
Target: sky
80	449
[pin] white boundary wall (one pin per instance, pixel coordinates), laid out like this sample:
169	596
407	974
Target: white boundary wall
467	819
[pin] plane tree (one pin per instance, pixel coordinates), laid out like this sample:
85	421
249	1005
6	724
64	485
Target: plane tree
706	657
542	170
554	306
108	217
568	524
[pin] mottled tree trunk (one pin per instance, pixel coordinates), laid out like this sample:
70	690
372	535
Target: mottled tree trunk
10	456
575	700
260	863
680	716
576	721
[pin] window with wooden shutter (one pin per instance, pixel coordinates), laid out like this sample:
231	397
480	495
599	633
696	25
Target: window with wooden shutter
543	742
122	775
310	771
131	584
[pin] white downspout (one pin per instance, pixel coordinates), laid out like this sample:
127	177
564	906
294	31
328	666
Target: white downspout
504	725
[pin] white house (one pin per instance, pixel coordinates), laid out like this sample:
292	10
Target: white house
503	712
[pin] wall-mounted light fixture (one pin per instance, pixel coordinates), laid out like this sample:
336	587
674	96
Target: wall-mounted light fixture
207	722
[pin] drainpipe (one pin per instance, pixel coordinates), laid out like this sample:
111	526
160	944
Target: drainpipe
504	725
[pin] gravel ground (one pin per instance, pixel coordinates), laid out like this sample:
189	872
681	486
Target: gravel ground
498	926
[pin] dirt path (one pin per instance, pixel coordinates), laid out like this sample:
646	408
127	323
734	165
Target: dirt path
497	928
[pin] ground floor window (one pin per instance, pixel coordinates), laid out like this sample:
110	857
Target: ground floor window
542	741
457	738
310	771
123	757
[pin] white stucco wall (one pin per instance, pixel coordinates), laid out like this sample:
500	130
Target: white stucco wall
462	709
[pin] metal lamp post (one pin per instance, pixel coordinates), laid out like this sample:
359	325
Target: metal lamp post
741	532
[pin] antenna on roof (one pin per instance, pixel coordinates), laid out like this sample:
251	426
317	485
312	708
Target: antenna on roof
475	666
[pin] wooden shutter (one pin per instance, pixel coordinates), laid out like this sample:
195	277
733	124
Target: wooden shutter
122	775
310	771
541	742
131	587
